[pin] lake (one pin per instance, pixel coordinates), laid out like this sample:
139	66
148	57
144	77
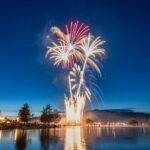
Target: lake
77	138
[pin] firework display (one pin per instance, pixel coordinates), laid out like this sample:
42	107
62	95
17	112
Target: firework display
77	50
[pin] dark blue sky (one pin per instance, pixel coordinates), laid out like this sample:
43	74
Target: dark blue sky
25	75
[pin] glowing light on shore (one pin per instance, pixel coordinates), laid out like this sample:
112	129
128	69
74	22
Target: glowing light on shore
2	119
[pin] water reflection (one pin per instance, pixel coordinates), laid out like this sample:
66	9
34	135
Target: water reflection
0	135
74	139
20	138
49	139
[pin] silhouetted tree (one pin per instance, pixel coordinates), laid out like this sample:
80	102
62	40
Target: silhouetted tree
24	113
56	116
48	115
48	138
89	121
133	122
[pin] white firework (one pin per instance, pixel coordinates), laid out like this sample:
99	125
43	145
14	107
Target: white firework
75	76
91	49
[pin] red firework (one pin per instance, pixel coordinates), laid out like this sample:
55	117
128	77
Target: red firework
75	32
69	43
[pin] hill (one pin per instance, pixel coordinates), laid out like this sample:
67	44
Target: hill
115	115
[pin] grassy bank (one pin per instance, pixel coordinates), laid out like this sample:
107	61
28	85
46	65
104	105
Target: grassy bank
4	126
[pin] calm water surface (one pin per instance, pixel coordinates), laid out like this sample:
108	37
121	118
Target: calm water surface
76	138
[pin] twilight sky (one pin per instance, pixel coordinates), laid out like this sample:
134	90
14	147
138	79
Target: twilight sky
26	76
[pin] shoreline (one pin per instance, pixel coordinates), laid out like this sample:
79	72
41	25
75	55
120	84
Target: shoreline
46	126
28	126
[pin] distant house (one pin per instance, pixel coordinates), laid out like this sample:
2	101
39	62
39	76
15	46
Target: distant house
34	120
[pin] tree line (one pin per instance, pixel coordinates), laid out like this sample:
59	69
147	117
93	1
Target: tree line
48	114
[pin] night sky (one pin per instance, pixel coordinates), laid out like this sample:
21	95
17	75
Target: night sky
26	76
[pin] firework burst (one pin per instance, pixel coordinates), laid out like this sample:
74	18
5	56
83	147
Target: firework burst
92	49
75	32
68	44
80	50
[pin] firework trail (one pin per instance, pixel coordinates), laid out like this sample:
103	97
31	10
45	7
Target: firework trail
75	75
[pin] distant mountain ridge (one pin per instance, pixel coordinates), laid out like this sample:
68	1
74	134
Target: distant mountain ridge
114	115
